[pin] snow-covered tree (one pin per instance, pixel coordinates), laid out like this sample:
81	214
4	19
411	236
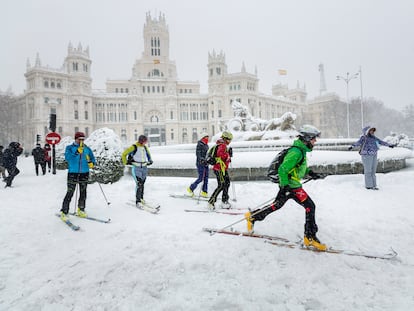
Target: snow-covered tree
107	148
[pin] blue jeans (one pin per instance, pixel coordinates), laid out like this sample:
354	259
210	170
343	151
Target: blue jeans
202	177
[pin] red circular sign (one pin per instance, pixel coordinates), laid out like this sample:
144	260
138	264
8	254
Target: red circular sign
53	138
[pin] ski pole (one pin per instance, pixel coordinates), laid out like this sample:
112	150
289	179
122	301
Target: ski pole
103	193
233	187
260	208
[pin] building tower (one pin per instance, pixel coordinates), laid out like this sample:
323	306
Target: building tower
78	108
217	73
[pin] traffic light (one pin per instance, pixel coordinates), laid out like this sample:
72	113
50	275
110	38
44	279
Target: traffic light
52	123
37	138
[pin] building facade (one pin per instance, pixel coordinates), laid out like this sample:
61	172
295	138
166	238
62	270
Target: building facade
153	101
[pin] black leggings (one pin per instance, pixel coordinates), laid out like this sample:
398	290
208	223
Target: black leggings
299	196
72	181
223	184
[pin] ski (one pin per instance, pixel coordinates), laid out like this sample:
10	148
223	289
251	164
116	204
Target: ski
70	224
392	254
227	212
283	242
105	221
245	234
184	196
146	207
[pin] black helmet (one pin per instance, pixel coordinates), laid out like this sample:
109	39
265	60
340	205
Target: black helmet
14	145
142	139
308	132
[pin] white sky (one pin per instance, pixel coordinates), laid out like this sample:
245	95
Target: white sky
294	35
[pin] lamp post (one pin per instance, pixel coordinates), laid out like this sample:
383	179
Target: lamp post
362	97
347	79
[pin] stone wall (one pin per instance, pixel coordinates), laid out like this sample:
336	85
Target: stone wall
259	173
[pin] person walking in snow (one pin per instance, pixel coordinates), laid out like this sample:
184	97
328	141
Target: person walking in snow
291	171
80	159
202	167
223	156
369	145
10	161
48	156
139	156
39	159
2	169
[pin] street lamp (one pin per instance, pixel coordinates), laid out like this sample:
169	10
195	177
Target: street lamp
347	79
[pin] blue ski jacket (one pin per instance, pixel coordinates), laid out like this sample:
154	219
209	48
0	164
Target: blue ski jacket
78	162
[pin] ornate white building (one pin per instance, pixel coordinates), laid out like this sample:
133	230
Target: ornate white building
153	101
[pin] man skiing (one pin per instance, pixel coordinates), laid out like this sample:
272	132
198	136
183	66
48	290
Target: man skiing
291	171
202	167
80	159
39	159
223	158
10	161
140	159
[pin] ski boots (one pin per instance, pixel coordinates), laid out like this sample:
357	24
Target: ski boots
81	213
250	222
313	241
190	192
225	205
211	207
204	194
64	217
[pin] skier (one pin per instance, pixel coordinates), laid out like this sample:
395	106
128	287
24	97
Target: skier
2	169
223	158
202	167
48	156
10	160
369	147
291	171
80	159
39	159
139	156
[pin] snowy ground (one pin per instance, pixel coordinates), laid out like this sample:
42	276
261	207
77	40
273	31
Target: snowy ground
142	261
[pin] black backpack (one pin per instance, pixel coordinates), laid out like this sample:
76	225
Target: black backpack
272	171
211	155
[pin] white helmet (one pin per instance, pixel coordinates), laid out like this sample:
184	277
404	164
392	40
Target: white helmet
308	132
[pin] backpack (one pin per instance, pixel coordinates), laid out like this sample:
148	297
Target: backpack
130	157
211	155
272	171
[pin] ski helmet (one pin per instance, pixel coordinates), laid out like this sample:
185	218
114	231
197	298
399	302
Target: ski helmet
142	139
227	135
308	132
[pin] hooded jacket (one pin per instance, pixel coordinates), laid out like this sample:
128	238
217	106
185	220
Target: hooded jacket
369	143
10	155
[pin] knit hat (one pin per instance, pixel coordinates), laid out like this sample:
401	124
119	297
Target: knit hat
79	135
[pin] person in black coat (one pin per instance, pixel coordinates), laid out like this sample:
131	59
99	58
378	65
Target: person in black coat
39	159
202	167
10	161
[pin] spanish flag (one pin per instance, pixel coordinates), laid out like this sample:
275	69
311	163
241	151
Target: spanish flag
282	72
156	61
